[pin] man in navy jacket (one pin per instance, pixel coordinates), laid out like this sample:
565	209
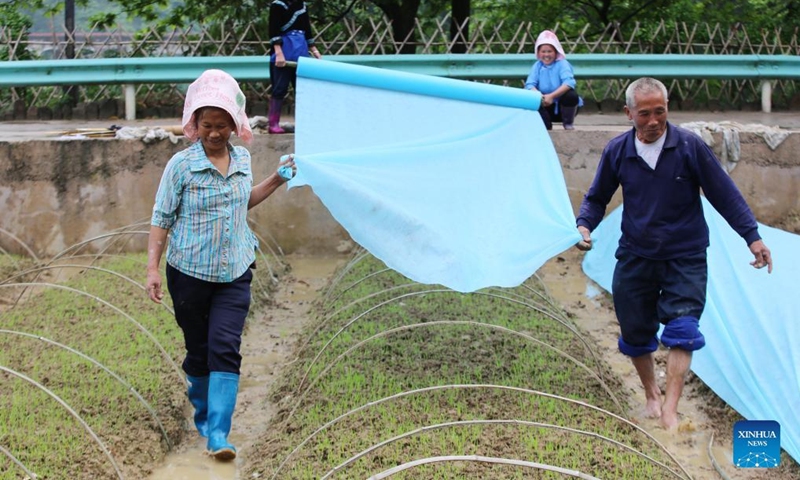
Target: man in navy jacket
661	272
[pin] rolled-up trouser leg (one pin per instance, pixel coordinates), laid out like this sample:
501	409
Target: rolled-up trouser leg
637	350
683	333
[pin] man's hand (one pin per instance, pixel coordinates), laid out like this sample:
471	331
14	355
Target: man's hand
586	244
763	257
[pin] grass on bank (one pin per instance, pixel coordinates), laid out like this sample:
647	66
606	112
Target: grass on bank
376	335
41	433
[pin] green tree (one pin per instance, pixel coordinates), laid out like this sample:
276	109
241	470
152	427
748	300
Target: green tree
402	14
574	16
16	27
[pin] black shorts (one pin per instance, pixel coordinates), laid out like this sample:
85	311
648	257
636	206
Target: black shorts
651	292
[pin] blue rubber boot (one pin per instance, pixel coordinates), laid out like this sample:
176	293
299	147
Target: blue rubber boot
222	390
198	395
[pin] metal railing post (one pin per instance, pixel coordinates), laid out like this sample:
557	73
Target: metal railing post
130	101
766	96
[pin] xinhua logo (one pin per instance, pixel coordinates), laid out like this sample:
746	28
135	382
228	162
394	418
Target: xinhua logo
756	444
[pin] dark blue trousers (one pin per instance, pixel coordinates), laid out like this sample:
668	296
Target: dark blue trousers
281	78
294	46
212	317
651	292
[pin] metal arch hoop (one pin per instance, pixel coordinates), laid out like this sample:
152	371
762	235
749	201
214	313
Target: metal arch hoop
457	322
116	309
71	412
18	463
127	385
87	267
423	292
477	386
480	458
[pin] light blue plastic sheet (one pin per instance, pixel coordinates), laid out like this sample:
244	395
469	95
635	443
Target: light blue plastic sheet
443	190
751	358
398	81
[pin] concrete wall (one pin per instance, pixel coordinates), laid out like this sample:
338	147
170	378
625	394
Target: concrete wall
57	193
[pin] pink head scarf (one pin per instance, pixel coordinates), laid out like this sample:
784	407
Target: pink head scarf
215	88
547	37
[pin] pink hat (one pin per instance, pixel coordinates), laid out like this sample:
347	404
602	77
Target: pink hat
547	37
216	88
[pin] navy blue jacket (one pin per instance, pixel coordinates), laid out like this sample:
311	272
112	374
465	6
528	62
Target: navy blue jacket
662	218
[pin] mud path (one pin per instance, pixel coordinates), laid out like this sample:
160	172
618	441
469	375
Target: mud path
266	346
593	311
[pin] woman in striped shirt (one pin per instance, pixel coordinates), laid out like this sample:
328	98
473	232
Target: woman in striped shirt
201	206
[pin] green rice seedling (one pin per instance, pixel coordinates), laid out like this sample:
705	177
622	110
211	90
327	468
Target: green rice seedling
79	314
348	382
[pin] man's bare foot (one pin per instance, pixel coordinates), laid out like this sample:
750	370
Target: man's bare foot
653	408
669	421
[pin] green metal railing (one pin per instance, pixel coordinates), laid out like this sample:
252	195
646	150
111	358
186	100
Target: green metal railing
176	70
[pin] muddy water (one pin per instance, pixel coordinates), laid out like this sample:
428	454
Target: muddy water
266	346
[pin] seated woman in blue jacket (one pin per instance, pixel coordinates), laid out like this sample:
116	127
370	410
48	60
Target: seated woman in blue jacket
552	75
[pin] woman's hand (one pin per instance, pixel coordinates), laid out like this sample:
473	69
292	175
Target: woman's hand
156	241
315	52
280	61
548	99
286	167
154	286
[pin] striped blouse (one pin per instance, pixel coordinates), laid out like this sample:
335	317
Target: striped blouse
206	214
